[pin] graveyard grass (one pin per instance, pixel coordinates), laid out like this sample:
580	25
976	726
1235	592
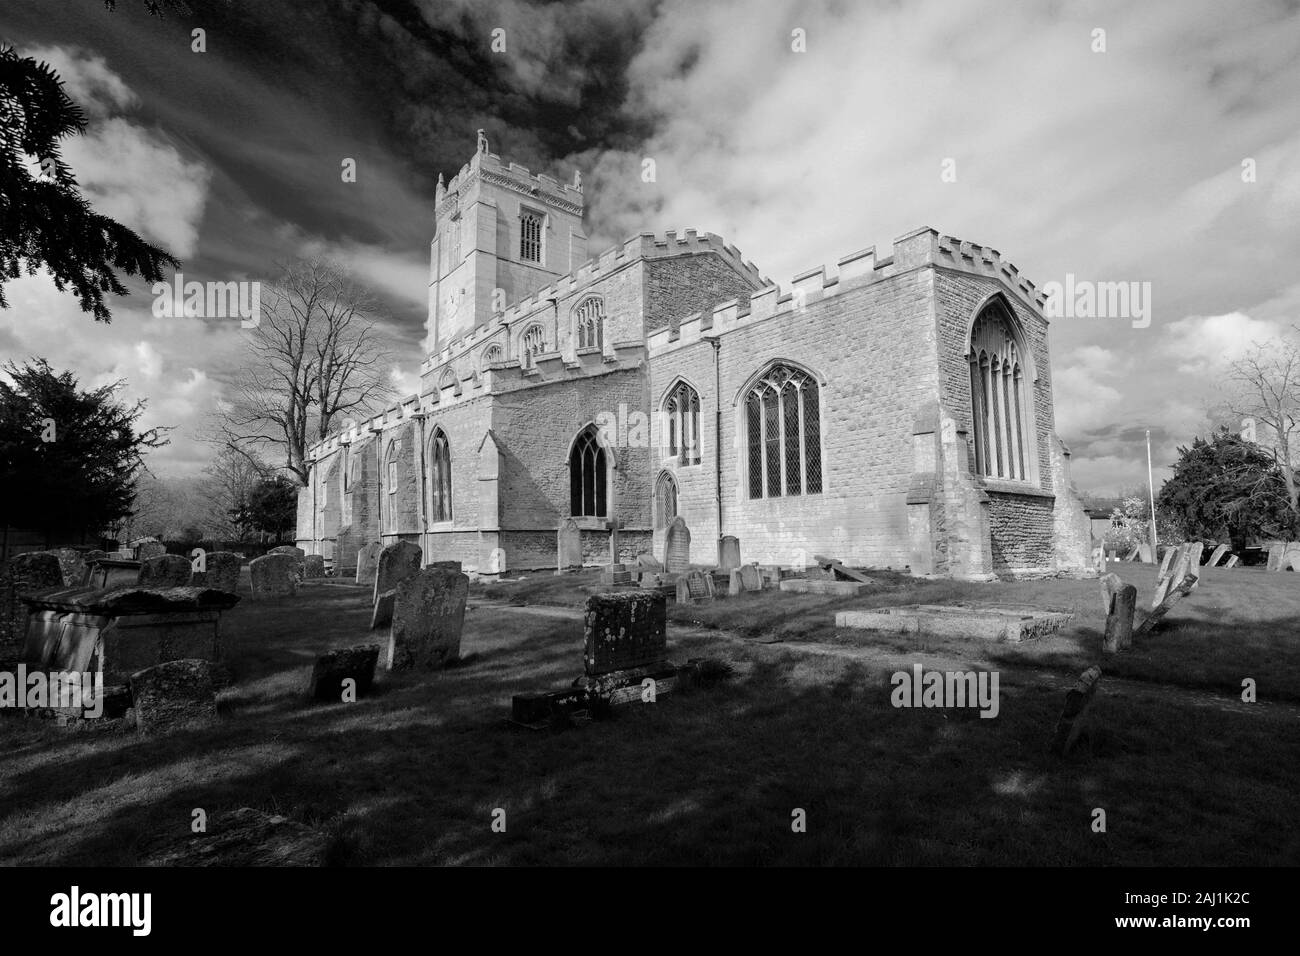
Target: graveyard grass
1187	773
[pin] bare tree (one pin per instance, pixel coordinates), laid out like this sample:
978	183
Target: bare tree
228	483
314	357
1267	393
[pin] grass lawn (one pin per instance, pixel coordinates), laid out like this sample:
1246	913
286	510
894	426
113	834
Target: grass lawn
1187	773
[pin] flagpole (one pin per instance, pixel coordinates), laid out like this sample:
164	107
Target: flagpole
1151	492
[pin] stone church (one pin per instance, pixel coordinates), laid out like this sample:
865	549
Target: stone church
895	412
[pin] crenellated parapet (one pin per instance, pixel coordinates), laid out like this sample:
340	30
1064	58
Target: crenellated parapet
916	249
491	168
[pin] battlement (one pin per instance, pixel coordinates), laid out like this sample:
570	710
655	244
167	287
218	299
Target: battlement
645	246
918	248
492	166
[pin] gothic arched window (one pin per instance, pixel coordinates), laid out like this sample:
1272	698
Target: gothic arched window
447	379
783	434
681	424
998	391
589	319
588	476
440	477
665	500
530	237
391	477
491	355
531	344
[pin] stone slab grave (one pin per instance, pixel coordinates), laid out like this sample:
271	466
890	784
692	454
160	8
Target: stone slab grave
397	562
20	575
273	576
223	571
822	586
728	553
993	622
165	571
243	837
695	587
173	696
1077	713
624	651
334	667
112	573
568	545
368	563
745	578
428	619
837	568
124	630
677	547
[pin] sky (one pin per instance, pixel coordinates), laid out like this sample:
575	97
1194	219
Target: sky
799	131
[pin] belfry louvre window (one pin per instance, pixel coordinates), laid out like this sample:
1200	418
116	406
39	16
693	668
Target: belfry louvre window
681	424
590	320
441	490
588	489
530	237
998	392
783	434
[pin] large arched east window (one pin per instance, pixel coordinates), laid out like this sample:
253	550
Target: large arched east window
589	320
665	500
998	392
440	477
783	434
681	424
588	476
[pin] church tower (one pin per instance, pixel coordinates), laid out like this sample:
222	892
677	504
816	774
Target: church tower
501	234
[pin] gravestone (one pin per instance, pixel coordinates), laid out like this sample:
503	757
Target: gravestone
149	549
1119	619
677	547
381	615
1078	703
1173	597
1177	571
728	553
1110	584
1166	561
623	630
445	565
288	549
334	667
368	562
1217	556
1099	558
274	575
1144	553
173	695
223	571
1276	550
1291	558
23	574
695	586
72	564
313	566
1231	562
745	578
428	617
568	545
1194	552
165	571
397	562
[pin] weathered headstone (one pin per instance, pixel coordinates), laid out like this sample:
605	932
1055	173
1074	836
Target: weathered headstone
623	630
695	586
289	550
382	613
677	547
568	545
1232	561
1217	556
1132	555
1276	550
1166	562
1177	571
1078	702
23	574
1099	558
72	564
149	549
1119	619
313	566
334	667
274	575
1194	552
728	552
1172	598
428	617
397	562
1291	557
745	578
165	571
223	571
1110	584
368	562
1144	553
173	695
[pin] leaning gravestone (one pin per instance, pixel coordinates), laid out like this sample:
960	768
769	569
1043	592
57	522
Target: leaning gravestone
1194	552
397	562
728	553
1231	562
73	566
1217	556
313	566
1119	619
1078	703
568	545
368	562
745	578
149	549
165	571
173	695
623	630
223	571
1110	584
428	617
677	547
274	575
334	667
23	574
